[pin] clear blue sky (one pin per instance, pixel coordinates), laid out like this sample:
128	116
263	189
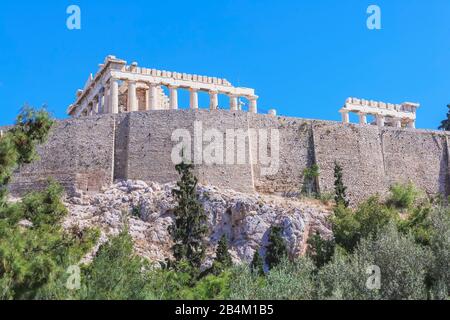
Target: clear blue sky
304	58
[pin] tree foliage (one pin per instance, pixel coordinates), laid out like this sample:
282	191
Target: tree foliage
310	176
445	124
320	250
276	250
223	258
18	145
339	187
257	264
116	272
403	196
189	230
350	227
35	256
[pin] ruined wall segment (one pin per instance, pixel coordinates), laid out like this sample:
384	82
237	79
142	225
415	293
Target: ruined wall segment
416	155
357	149
150	146
296	153
78	154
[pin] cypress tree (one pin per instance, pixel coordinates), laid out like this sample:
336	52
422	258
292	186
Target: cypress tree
222	254
277	249
257	264
189	230
223	258
340	195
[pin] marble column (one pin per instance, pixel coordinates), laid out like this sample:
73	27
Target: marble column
380	120
233	102
345	116
147	98
132	98
213	100
114	96
412	124
101	101
362	118
253	104
173	96
397	122
107	99
193	98
97	105
151	97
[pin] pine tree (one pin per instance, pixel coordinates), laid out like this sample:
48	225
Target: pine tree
189	230
340	195
222	254
277	249
223	258
445	124
257	264
18	145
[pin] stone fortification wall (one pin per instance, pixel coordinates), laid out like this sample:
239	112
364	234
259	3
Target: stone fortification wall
90	152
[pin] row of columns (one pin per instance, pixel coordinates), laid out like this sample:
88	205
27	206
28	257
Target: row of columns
152	93
380	120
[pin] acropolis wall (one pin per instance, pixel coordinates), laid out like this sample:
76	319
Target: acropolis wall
90	152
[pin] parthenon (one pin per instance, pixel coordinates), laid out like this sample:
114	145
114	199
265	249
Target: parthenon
386	114
118	87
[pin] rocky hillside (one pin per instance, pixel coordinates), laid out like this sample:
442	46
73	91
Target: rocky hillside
244	218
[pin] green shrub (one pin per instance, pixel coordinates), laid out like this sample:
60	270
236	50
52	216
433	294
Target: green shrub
403	196
213	287
440	246
310	176
326	198
34	259
287	281
350	227
403	265
418	223
116	273
320	250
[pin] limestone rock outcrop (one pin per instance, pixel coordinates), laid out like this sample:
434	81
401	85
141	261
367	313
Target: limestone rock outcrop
246	219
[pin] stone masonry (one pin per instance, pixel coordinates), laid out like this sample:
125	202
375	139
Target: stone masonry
91	152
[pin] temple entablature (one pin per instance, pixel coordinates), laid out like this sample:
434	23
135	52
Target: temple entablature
385	114
118	87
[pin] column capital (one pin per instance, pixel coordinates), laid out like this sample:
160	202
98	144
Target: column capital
252	97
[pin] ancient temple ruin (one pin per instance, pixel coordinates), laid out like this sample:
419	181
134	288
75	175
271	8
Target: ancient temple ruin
118	87
386	114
